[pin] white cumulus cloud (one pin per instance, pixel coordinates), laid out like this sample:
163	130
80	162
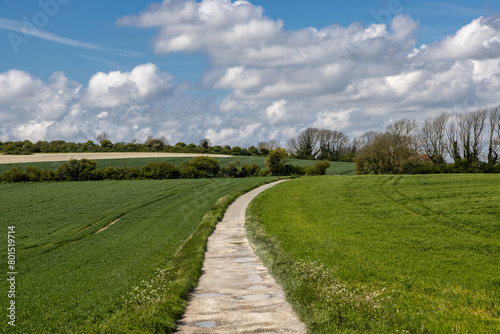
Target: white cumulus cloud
264	82
114	89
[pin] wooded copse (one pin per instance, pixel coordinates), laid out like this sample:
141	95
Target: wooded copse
469	141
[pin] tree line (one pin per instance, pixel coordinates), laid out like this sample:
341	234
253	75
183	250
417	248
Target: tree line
463	143
322	144
467	142
197	167
103	144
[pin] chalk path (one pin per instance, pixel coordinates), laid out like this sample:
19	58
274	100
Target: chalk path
236	293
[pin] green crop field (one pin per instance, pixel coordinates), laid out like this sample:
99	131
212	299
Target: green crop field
337	168
386	254
132	275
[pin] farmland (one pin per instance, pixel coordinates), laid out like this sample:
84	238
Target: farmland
337	168
385	254
76	277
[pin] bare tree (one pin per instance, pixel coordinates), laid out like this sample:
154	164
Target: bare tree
266	146
153	144
403	139
164	140
365	139
102	137
388	152
494	142
470	134
433	137
453	141
305	146
205	143
332	144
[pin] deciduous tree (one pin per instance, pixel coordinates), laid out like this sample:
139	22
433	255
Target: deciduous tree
433	137
305	145
276	160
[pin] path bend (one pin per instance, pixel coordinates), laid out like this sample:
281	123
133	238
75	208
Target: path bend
236	293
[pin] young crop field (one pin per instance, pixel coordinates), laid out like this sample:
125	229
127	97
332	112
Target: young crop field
337	168
386	254
75	277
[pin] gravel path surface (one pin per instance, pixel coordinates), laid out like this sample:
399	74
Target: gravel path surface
236	293
43	157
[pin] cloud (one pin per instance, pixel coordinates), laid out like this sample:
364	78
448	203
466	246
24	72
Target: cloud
478	40
207	26
114	89
32	109
264	82
29	31
18	86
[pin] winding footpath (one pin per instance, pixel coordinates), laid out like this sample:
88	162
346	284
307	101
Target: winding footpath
236	293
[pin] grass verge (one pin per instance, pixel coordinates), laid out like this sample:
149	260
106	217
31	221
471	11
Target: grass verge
385	254
157	303
133	277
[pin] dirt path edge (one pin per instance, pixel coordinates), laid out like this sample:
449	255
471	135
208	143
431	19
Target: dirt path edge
236	293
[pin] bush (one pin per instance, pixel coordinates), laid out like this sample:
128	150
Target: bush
265	172
47	175
249	170
199	167
14	175
319	168
275	161
160	170
33	174
130	173
293	170
231	169
76	170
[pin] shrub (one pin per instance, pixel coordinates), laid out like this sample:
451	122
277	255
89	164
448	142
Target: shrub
319	168
159	170
15	174
202	166
130	173
231	169
47	175
33	174
265	172
76	170
275	161
294	170
249	170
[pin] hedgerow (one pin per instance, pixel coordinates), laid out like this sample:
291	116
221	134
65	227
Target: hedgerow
198	167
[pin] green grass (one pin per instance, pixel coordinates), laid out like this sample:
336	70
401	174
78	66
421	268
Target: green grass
386	254
337	168
132	277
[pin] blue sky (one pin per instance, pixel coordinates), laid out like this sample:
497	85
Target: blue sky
93	21
188	78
